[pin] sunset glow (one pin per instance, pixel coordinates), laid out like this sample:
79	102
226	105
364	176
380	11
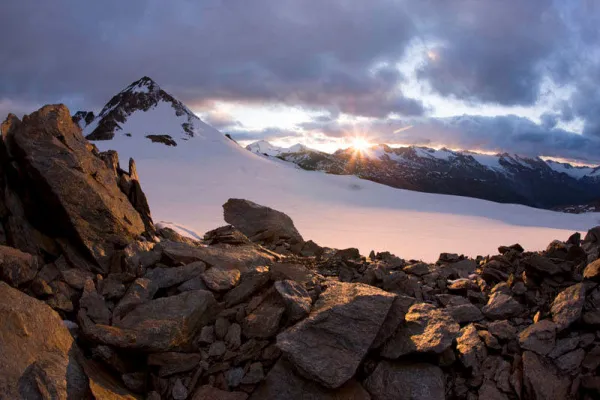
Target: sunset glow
360	144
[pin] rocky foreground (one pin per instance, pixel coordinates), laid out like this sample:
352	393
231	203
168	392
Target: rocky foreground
97	303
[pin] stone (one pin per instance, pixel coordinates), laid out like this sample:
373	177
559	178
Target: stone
207	335
217	349
592	271
283	382
490	340
503	330
570	361
541	265
171	363
38	355
76	277
418	269
16	267
567	306
234	377
260	222
254	375
541	379
465	313
296	299
112	289
539	337
79	192
592	358
220	280
263	322
250	283
103	385
471	350
93	304
135	381
207	392
427	329
489	391
502	306
395	317
162	278
233	338
330	343
163	324
221	327
418	381
179	391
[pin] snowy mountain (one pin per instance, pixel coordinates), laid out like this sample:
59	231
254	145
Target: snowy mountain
83	118
187	184
165	120
266	148
503	178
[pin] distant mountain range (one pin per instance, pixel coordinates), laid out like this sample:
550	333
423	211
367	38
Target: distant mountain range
505	178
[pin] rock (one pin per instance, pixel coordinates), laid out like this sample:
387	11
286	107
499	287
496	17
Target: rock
296	299
243	258
217	349
179	391
570	361
283	382
164	324
503	330
162	278
490	340
502	306
259	222
465	313
541	380
103	385
541	265
207	335
17	268
79	192
418	269
234	377
94	305
207	392
419	381
254	375
171	363
250	283
38	356
221	327
263	322
112	288
471	350
330	343
395	317
567	306
233	338
592	359
563	346
539	337
193	284
141	291
489	391
427	329
592	271
136	381
220	280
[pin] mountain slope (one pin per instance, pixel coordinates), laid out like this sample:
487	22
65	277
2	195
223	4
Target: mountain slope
187	184
503	178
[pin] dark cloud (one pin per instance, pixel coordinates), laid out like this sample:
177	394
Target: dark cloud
221	120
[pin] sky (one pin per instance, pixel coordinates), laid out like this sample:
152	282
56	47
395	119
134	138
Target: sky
497	76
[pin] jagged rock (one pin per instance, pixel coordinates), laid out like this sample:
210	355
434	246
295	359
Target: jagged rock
78	191
489	391
207	392
489	340
330	343
502	306
38	356
541	265
406	382
465	313
427	329
207	335
592	358
179	391
244	258
541	379
171	363
264	321
418	269
135	381
471	350
592	271
254	375
217	349
503	330
570	361
259	222
163	324
567	306
539	337
139	255
17	268
93	304
296	299
250	283
233	338
103	385
219	280
283	382
395	317
76	278
221	327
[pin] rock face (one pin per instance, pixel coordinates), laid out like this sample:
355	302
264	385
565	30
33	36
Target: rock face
38	356
260	223
325	347
79	192
406	382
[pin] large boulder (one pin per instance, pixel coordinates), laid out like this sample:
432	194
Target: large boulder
567	306
260	223
164	324
71	191
38	356
16	267
502	306
406	382
330	343
542	380
427	329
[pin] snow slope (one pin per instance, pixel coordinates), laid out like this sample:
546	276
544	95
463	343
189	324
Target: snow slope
187	184
264	147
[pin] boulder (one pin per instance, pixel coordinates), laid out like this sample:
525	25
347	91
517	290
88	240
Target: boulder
207	392
592	271
283	382
296	299
567	306
164	324
259	222
427	329
250	283
539	337
502	306
395	317
17	268
419	381
38	356
471	350
541	379
465	313
79	193
220	280
503	330
330	343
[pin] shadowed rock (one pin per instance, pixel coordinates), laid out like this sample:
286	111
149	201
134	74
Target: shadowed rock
406	382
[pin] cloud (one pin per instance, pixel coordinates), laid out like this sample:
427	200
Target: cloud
271	133
221	120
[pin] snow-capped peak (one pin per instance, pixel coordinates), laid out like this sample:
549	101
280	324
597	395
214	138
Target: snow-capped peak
264	147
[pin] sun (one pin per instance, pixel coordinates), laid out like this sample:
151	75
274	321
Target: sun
360	144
